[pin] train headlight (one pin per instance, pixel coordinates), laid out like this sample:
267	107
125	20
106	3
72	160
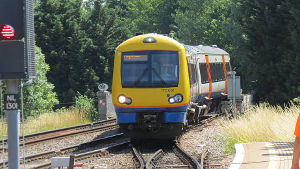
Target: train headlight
124	100
128	100
171	100
178	98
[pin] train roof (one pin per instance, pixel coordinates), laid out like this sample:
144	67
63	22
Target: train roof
203	49
163	43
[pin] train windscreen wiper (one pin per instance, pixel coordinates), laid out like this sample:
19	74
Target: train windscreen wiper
140	78
160	78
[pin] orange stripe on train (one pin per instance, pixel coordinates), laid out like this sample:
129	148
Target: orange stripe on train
180	105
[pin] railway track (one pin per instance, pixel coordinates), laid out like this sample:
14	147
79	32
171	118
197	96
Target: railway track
64	132
52	134
80	151
57	139
170	156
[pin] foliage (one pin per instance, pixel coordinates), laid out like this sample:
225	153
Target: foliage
203	21
228	143
50	121
79	39
271	59
152	16
297	100
263	123
39	96
86	107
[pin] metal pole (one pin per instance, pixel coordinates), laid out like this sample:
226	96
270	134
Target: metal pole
13	117
2	121
234	92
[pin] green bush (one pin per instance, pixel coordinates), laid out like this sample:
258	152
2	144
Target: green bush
86	106
297	100
39	96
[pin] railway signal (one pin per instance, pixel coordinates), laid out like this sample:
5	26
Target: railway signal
12	15
16	62
16	55
7	32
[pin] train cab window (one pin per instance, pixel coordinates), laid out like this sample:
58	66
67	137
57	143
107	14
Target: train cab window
203	73
149	69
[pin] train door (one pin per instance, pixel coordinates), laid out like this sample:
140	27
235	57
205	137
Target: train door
199	90
204	77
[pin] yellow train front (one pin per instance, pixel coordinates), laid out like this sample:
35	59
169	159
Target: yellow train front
151	89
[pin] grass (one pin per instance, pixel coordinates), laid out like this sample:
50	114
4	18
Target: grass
50	121
261	124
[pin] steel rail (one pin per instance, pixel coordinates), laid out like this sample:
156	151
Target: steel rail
111	126
193	162
88	155
66	150
139	157
98	127
72	128
151	162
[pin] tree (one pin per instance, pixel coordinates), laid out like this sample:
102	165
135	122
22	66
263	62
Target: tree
203	22
39	96
268	28
105	22
152	16
65	43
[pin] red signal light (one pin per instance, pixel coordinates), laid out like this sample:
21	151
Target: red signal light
7	32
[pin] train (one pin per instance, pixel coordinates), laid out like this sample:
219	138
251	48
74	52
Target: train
160	86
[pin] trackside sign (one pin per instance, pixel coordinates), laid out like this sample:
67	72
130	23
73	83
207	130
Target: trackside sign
11	102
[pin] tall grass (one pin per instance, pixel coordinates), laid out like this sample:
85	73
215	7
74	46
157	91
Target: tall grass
54	120
263	124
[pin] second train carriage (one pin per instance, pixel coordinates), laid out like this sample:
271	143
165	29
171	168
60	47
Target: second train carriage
159	84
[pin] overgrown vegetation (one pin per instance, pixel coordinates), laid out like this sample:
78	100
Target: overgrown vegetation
39	97
81	113
86	107
262	123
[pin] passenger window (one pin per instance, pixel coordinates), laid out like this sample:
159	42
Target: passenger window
203	73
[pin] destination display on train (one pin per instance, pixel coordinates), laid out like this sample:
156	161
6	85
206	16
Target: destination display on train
134	58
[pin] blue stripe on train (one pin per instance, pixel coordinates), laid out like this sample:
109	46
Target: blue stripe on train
169	117
174	117
171	114
166	109
126	117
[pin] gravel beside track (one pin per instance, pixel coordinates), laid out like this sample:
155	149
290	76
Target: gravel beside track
170	160
196	141
112	160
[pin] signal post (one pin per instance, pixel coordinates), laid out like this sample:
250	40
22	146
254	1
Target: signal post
17	62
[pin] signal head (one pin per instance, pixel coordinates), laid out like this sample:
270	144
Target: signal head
7	32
